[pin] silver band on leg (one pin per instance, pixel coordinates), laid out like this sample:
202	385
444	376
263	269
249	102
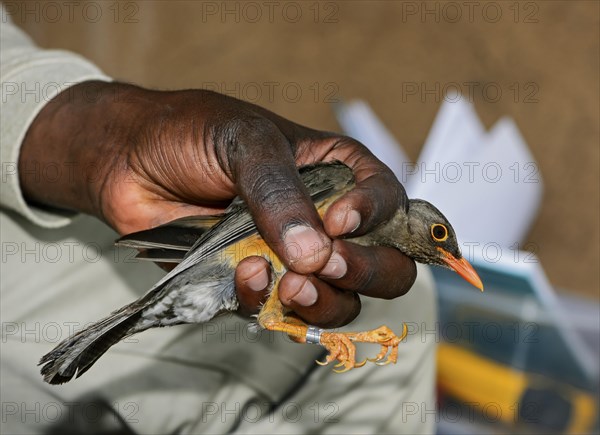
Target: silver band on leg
313	335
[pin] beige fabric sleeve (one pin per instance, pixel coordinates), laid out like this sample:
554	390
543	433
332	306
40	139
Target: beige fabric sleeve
30	77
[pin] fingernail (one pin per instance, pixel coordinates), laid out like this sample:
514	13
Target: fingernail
335	268
302	242
352	222
258	282
307	295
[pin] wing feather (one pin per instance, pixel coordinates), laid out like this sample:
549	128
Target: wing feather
323	181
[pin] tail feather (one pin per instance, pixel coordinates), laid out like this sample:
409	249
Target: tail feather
180	234
76	354
161	255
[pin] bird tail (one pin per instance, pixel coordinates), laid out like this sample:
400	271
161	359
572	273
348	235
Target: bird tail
76	354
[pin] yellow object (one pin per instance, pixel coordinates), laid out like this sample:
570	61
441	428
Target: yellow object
486	384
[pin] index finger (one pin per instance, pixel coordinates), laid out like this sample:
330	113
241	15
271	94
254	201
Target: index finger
376	197
264	170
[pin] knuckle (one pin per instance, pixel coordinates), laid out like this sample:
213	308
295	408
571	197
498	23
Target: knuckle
240	136
347	141
246	129
273	192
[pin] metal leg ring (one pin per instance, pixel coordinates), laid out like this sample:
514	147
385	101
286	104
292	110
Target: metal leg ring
313	335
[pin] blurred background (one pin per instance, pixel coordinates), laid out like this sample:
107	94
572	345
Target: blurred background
536	62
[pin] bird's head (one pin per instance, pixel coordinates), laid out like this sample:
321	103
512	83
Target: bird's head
432	240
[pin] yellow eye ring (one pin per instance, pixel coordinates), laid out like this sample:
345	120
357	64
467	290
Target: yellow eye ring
439	232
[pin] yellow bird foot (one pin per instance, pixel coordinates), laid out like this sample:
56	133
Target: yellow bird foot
388	340
341	347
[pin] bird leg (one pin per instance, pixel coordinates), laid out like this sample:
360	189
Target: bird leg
272	317
340	345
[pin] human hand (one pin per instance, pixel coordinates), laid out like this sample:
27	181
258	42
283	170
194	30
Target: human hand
141	158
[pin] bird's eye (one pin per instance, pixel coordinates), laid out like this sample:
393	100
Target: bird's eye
439	232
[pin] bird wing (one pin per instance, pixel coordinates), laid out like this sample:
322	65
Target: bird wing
160	255
322	180
180	234
76	354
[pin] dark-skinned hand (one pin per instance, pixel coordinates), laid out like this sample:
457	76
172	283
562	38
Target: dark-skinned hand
138	158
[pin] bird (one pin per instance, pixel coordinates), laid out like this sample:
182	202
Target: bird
207	249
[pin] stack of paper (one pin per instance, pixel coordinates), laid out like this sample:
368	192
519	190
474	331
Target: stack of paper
486	183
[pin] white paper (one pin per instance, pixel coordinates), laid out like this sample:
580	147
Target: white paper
360	122
486	183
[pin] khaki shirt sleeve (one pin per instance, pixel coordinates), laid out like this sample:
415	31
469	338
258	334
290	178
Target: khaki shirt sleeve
30	77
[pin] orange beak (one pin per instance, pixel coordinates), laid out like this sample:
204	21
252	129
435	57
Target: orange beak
463	268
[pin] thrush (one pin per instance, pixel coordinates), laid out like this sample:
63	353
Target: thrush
207	250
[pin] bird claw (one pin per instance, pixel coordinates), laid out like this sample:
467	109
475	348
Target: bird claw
345	369
341	347
360	364
331	357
